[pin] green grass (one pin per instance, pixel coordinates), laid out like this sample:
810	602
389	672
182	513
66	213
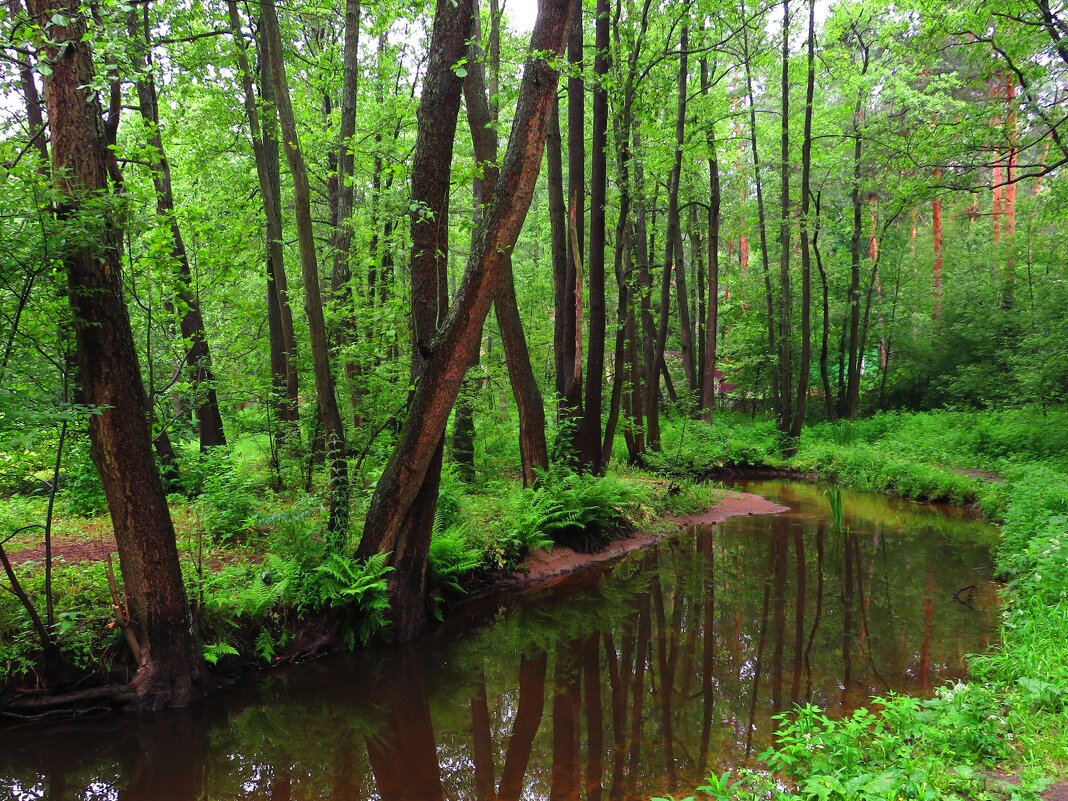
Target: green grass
1012	716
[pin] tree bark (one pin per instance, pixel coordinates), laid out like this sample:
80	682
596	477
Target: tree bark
936	237
265	152
825	376
785	358
709	384
567	366
806	250
674	228
571	438
591	426
855	357
110	375
533	449
341	288
390	525
330	414
761	218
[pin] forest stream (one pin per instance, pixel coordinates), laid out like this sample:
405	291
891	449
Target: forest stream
624	681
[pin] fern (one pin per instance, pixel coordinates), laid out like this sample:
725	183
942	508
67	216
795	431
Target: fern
265	645
215	650
453	554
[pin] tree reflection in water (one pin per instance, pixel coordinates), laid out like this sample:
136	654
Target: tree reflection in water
631	681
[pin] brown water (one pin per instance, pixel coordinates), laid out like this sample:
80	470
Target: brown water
629	681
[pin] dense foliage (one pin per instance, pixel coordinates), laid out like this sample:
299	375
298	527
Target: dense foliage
826	238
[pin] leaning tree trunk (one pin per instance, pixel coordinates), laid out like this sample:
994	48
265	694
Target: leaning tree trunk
431	174
198	354
330	414
110	375
393	514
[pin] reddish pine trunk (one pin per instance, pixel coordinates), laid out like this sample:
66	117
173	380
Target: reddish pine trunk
936	234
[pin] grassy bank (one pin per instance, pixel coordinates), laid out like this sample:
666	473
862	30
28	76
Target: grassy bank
1011	719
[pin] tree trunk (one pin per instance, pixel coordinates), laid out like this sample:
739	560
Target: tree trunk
673	238
806	254
533	449
341	288
853	356
785	366
650	385
567	364
198	354
265	152
936	237
330	414
709	383
825	376
590	439
34	111
110	375
391	524
761	218
571	439
855	361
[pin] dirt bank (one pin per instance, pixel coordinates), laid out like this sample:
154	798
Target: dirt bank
545	568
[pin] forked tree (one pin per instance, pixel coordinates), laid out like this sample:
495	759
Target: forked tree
394	522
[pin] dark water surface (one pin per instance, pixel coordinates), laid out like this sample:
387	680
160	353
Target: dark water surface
627	682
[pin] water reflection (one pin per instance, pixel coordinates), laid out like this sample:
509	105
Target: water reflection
619	685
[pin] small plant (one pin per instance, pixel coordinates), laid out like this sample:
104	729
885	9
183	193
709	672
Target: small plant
214	651
834	498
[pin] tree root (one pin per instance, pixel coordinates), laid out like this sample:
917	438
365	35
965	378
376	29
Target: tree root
71	704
